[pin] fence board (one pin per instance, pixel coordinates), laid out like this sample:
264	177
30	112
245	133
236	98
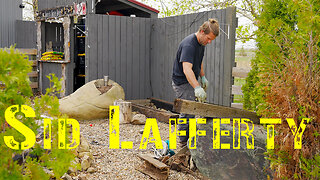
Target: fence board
100	48
117	45
9	14
135	55
123	58
129	59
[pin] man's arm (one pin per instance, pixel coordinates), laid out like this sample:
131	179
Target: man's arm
187	70
202	70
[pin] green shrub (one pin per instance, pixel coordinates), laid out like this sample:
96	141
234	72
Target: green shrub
285	82
15	90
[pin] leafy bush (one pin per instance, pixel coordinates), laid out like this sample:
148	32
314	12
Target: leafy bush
15	90
285	82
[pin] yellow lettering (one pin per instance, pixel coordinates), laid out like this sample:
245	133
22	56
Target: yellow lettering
225	133
19	126
47	133
193	132
75	133
216	133
297	132
248	133
151	123
172	133
236	121
114	128
270	130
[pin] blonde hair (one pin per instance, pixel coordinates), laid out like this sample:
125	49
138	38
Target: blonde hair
211	25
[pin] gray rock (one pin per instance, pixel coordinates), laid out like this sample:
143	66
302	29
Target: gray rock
84	145
66	177
231	163
139	119
85	162
91	170
82	177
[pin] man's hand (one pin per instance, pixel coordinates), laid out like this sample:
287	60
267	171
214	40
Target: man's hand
204	83
200	94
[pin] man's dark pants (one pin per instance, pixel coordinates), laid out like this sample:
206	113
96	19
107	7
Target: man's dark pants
184	91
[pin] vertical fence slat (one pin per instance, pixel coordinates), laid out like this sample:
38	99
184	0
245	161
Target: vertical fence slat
117	49
105	40
101	58
123	51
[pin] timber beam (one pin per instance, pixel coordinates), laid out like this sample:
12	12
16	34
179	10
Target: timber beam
212	110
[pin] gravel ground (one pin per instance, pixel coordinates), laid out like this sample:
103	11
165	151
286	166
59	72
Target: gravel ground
120	164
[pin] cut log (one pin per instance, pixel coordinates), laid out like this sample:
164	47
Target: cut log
125	111
161	116
212	110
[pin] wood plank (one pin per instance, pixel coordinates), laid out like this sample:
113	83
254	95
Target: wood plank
153	172
162	116
156	163
28	51
34	85
240	72
33	74
212	110
140	101
237	90
237	105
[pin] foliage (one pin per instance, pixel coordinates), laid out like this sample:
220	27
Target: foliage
245	8
15	90
285	82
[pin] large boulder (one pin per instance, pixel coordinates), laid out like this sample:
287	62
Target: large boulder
92	100
231	163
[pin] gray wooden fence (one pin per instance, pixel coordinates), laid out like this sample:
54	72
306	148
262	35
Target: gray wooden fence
26	34
119	47
9	13
138	53
218	60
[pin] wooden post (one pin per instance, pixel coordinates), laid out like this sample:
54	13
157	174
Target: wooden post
125	111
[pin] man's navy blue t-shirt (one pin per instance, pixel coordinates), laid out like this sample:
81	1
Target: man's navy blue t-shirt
189	51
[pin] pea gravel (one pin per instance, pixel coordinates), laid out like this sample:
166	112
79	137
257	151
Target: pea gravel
119	164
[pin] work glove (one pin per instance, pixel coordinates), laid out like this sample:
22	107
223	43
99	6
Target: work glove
204	83
200	94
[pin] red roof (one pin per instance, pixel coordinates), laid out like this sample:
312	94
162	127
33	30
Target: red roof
143	5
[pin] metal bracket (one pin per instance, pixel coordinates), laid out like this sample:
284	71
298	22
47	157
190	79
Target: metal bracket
227	31
84	32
